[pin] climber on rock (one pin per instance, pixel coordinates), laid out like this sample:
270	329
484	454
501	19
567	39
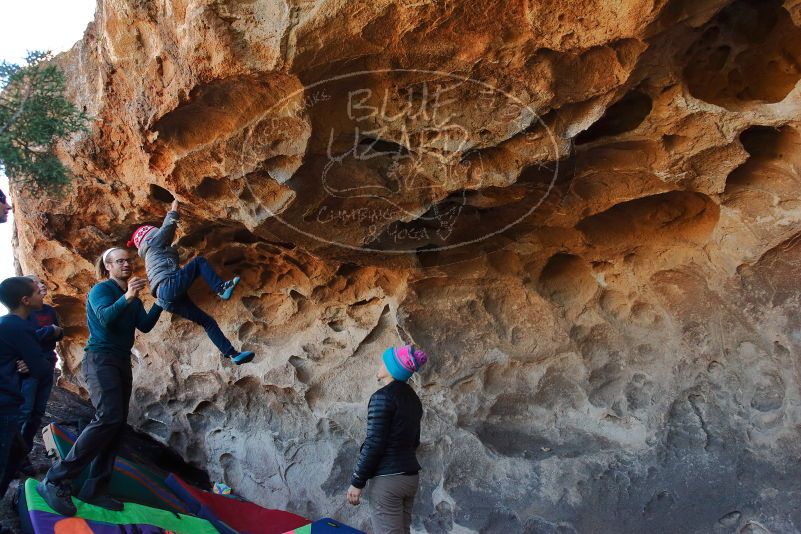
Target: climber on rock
387	455
169	283
113	312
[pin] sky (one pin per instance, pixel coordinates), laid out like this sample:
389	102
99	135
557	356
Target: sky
36	25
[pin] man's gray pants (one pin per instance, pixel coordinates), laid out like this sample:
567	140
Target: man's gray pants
391	501
110	382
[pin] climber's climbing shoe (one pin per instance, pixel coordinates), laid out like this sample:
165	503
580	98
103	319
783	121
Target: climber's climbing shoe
243	357
57	496
227	288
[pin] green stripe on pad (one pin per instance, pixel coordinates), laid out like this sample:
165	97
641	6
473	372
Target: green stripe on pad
130	481
132	515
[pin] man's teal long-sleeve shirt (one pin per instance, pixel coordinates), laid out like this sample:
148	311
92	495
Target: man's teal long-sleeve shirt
113	320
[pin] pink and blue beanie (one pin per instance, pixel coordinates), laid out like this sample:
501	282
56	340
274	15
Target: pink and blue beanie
402	362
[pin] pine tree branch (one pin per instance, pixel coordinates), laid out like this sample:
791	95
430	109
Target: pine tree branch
19	111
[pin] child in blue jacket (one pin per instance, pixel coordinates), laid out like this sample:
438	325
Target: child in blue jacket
20	352
37	391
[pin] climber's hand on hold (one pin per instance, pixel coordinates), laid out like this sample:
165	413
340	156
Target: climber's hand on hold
354	495
22	367
174	206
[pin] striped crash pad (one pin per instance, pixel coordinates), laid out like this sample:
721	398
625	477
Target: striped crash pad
325	526
131	481
156	492
134	519
232	515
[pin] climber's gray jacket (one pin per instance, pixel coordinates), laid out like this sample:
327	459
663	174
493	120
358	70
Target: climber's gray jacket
161	258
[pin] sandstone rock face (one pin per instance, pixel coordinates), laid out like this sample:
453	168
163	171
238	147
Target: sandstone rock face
588	213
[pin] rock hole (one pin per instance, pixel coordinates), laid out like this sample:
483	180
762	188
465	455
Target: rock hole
731	519
249	383
337	325
253	305
210	188
622	116
246	330
155	428
567	278
347	268
215	110
159	193
193	239
234	257
301	368
282	168
385	322
177	441
427	255
229	467
660	504
771	166
373	146
246	196
365	302
659	219
245	237
761	141
750	52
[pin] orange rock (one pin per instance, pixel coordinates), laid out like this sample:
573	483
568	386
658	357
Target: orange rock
587	212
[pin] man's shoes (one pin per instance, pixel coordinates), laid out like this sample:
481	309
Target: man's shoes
227	288
104	501
243	357
26	468
58	497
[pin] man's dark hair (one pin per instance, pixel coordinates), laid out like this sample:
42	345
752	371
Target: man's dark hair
13	289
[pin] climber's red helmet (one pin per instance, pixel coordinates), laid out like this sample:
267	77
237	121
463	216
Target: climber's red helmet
139	235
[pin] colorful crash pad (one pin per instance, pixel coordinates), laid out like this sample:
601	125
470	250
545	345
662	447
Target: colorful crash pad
129	482
231	515
134	519
325	526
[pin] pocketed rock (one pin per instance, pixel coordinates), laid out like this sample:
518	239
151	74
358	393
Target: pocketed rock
587	212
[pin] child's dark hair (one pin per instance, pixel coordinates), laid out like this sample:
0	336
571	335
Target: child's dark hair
13	289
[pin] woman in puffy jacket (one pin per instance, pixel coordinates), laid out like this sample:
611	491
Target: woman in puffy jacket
388	455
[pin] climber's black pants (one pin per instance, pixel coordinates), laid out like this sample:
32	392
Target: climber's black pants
172	295
109	379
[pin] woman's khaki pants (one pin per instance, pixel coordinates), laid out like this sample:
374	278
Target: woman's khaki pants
391	501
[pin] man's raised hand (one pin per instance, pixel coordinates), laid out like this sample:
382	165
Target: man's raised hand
135	285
